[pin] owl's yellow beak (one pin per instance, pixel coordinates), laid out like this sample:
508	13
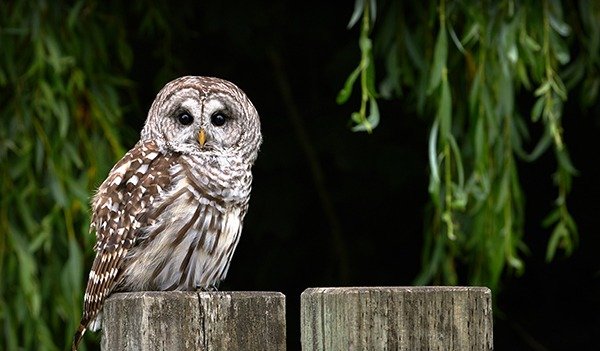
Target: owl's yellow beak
202	137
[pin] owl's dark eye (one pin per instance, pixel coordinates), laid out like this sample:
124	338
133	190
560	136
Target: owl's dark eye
218	119
185	119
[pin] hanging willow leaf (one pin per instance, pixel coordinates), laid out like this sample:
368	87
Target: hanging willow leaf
366	72
357	13
458	160
433	165
538	107
444	114
565	161
559	26
440	56
344	94
507	48
372	120
543	144
559	233
60	105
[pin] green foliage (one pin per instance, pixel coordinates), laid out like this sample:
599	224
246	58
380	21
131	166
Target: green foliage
466	64
365	70
60	69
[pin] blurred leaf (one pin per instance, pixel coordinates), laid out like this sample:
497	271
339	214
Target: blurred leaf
359	5
372	120
542	145
458	157
559	87
590	90
560	27
522	73
559	233
74	14
531	44
542	89
516	263
565	162
433	157
536	111
445	110
470	34
125	53
57	61
477	129
344	94
440	55
366	71
373	8
414	53
455	39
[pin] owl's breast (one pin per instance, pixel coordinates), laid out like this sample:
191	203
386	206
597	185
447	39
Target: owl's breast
226	179
191	240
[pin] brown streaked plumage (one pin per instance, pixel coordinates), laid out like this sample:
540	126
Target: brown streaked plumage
169	215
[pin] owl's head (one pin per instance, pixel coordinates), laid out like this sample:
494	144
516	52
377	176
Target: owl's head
204	115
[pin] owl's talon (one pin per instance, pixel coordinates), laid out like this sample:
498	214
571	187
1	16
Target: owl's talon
209	288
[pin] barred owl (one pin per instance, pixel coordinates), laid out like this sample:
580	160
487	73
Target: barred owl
169	215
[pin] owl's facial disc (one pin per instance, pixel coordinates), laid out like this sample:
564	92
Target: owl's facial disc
202	123
220	123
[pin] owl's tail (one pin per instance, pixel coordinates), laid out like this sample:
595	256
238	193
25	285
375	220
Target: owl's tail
78	336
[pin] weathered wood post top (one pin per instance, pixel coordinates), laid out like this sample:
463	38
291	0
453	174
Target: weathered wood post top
397	318
225	320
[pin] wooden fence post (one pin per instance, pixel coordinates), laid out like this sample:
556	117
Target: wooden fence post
228	320
396	318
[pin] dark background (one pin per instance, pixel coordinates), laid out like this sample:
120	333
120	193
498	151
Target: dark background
376	184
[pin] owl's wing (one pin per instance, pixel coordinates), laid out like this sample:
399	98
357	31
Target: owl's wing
119	210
